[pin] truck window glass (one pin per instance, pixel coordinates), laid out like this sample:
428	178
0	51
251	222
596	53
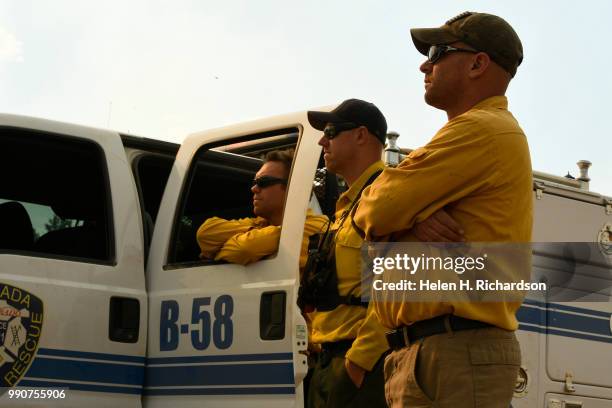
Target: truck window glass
54	199
219	185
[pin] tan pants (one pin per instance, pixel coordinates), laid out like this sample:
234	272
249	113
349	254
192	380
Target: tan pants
470	368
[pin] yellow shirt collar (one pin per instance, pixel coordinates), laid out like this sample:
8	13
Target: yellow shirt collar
348	196
499	101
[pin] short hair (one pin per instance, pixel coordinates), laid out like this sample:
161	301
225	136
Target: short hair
282	156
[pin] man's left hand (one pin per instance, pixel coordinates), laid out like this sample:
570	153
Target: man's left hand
355	373
439	227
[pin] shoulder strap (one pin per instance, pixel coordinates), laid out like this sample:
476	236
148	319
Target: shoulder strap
355	227
346	212
358	197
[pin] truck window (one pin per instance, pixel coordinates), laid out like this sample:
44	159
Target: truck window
219	185
54	197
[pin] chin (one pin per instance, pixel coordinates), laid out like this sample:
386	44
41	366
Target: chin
261	213
431	100
427	97
330	167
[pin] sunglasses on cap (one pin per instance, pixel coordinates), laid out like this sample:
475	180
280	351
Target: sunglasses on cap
267	181
438	51
334	129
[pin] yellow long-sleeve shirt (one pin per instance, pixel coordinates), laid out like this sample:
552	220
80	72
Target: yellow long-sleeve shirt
351	322
478	168
248	240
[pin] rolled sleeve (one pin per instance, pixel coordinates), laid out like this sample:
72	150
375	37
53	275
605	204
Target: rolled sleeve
215	232
250	246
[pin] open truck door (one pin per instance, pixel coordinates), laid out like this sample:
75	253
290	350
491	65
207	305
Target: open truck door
223	334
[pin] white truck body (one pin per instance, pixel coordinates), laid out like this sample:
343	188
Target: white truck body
82	307
567	346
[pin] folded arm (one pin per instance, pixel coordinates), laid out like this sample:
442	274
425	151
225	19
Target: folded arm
215	232
429	179
250	246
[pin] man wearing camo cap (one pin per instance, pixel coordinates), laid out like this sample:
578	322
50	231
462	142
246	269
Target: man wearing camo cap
477	167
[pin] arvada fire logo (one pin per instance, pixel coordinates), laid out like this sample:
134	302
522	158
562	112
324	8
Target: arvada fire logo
21	320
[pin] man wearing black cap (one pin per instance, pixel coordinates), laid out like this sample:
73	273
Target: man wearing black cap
348	370
449	353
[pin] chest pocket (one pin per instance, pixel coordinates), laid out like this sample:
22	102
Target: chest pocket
348	237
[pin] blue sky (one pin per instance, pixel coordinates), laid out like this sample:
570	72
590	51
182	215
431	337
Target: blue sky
164	69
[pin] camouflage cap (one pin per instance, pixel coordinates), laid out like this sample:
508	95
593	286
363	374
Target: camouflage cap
484	32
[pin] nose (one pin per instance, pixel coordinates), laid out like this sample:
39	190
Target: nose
426	67
323	141
255	189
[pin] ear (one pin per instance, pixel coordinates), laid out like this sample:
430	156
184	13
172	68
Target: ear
480	63
362	135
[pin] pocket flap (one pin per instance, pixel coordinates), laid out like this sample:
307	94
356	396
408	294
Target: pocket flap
349	237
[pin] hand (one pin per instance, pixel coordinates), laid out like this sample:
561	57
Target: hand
439	227
355	373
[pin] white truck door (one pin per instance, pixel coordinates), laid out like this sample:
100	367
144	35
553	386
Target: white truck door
224	334
72	291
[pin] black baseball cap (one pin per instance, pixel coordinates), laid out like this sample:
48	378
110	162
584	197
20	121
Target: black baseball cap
359	112
485	32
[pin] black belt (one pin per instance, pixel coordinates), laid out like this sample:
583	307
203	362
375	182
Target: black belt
404	336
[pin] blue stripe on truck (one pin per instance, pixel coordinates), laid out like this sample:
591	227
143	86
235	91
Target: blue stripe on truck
219	358
557	319
90	356
76	370
80	387
578	323
222	391
221	374
529	302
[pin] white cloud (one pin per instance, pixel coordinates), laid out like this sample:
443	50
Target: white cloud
11	49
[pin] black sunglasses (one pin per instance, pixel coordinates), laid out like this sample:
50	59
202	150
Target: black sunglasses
438	51
267	181
334	129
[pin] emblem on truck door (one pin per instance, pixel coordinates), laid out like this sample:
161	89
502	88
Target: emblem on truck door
21	320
